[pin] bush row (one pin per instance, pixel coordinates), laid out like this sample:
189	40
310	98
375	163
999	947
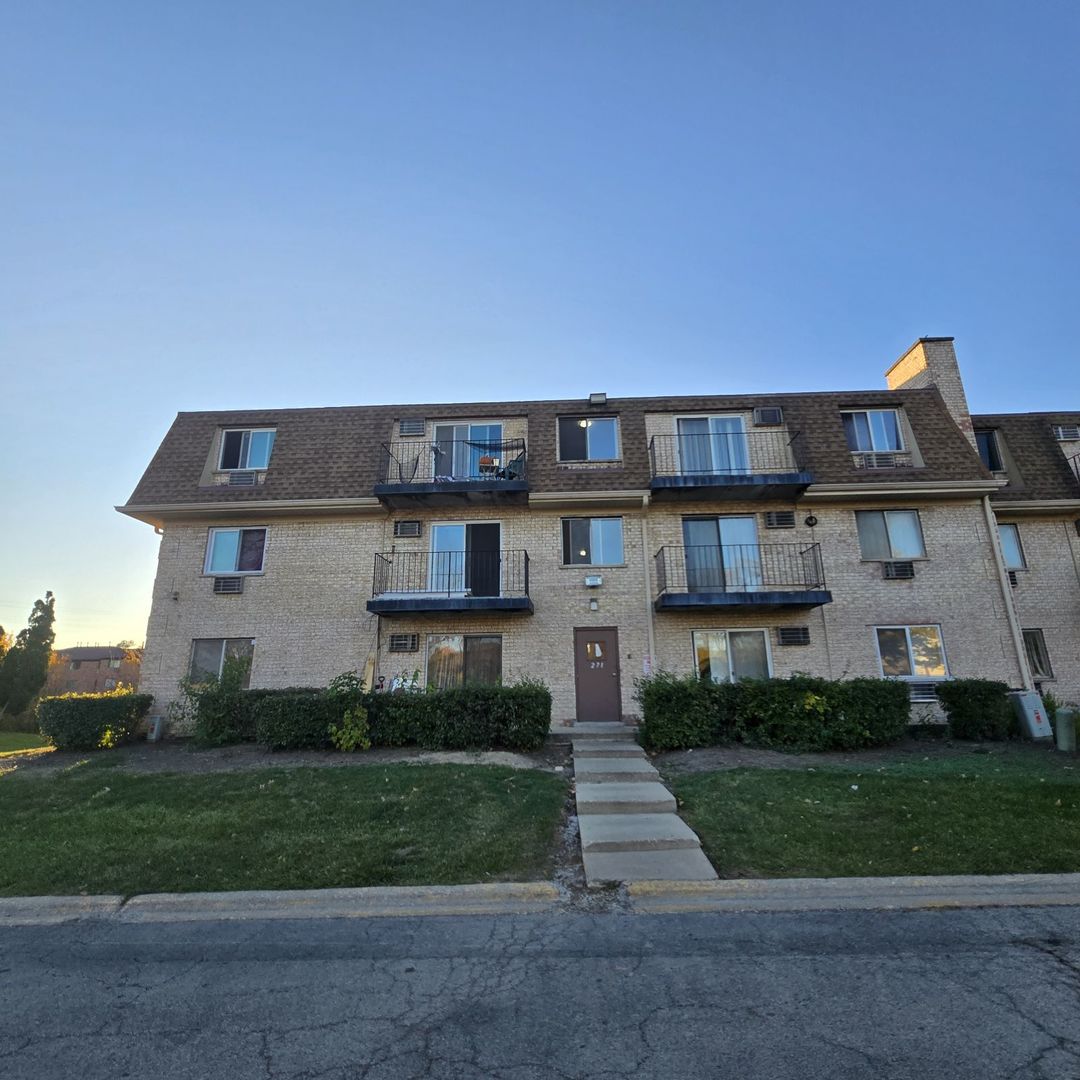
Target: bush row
978	709
92	721
468	718
798	713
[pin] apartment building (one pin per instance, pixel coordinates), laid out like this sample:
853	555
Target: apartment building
91	669
587	542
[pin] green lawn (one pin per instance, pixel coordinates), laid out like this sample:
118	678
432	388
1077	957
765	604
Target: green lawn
11	741
978	814
94	829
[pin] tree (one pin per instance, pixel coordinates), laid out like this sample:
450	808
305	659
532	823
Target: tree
25	665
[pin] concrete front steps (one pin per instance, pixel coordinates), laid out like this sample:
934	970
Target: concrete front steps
629	828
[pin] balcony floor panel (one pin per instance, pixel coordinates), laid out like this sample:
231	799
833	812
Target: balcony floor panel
407	605
786	485
453	493
744	601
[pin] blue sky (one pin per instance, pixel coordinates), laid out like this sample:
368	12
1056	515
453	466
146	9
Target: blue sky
267	204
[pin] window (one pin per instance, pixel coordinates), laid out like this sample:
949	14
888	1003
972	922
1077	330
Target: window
911	652
464	660
1011	547
115	664
890	534
1067	432
1037	655
592	541
731	655
873	429
235	551
988	450
110	684
246	449
208	656
75	665
583	438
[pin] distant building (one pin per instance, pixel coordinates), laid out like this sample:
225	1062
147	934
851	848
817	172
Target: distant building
89	669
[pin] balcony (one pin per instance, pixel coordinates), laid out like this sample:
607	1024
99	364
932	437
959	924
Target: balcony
747	577
1074	465
727	465
415	581
452	472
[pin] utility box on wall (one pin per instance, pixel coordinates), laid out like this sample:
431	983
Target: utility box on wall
1031	713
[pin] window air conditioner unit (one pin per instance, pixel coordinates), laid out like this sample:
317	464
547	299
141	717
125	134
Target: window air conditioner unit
898	571
922	691
241	479
412	427
779	519
877	459
768	416
406	528
1067	432
1013	579
404	642
793	635
228	586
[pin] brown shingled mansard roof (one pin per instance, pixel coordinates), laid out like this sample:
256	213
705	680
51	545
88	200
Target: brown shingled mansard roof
334	453
1041	471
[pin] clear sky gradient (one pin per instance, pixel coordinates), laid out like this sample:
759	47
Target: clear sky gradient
221	205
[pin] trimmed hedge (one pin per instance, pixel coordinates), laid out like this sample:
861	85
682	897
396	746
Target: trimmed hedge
92	721
467	718
978	709
799	713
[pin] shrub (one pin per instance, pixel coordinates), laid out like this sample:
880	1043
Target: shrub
297	721
799	713
352	731
978	709
92	721
683	711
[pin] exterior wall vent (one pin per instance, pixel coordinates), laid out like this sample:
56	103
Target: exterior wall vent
241	479
412	427
768	416
898	571
404	642
1067	432
228	586
779	519
1013	579
922	691
406	528
793	635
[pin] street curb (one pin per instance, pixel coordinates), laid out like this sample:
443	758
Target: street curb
511	898
854	894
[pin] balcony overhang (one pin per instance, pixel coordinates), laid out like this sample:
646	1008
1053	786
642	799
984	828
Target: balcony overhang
689	486
408	605
771	600
404	496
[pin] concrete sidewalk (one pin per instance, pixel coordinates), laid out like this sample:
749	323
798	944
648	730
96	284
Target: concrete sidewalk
521	898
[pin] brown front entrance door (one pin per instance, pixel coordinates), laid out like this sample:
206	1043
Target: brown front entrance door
596	674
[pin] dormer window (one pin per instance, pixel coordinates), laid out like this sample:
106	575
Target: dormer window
989	450
873	430
246	448
588	438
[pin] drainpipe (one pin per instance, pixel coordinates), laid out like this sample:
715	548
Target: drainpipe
1006	596
649	613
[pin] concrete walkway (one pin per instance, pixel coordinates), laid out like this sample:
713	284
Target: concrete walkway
630	830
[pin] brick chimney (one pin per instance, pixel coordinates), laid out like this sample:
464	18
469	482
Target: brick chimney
931	361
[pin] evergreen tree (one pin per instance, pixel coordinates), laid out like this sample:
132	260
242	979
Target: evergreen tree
25	665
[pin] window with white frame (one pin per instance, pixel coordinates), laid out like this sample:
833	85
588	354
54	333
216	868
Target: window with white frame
235	551
911	652
873	430
592	541
1011	548
464	660
246	448
731	655
890	534
1037	654
588	438
209	655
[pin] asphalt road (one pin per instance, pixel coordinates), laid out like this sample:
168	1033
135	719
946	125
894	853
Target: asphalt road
933	994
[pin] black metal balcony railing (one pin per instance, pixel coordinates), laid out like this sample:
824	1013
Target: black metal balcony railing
1074	464
412	461
735	453
740	568
429	574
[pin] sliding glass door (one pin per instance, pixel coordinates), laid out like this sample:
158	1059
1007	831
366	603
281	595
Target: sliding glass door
712	444
467	451
722	554
465	558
